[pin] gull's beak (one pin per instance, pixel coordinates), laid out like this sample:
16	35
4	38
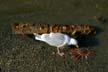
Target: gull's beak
77	46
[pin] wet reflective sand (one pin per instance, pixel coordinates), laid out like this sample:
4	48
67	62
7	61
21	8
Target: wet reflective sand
23	54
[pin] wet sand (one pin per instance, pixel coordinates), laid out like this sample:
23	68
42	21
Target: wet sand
23	54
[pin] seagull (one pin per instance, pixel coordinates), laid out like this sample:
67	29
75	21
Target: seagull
58	40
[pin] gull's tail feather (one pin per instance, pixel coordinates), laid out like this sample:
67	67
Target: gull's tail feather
37	36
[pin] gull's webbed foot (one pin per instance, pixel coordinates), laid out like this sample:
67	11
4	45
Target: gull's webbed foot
60	53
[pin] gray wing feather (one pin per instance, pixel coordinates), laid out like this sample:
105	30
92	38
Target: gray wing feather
55	39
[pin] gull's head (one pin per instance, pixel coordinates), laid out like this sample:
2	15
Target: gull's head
73	42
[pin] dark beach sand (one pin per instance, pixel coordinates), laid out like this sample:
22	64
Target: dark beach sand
23	54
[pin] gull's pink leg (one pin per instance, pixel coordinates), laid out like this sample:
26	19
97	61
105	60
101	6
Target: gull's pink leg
58	51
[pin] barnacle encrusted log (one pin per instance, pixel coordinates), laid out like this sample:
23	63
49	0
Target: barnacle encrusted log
72	29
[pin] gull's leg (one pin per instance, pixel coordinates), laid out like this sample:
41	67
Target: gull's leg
58	52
